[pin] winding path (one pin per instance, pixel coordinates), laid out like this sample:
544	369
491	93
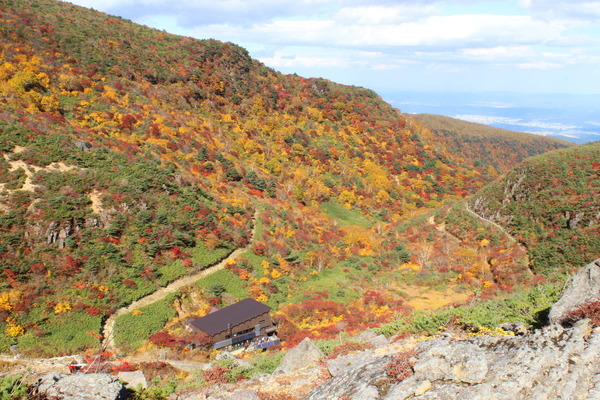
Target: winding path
490	222
108	330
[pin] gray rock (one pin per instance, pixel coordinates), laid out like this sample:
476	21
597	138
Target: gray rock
245	395
82	387
365	336
364	382
83	145
583	288
518	328
379	341
304	355
551	363
340	365
225	355
133	379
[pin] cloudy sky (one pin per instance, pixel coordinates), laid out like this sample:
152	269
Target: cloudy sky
529	46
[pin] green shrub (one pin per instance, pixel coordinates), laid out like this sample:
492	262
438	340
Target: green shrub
528	306
66	333
224	279
266	363
203	257
131	331
12	388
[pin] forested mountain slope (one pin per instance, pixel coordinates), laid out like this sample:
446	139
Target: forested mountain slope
550	202
131	157
480	144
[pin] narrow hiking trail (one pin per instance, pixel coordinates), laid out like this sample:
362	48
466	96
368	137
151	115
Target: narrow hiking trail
512	239
109	326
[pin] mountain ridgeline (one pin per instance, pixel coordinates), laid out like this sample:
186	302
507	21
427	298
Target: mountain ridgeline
132	157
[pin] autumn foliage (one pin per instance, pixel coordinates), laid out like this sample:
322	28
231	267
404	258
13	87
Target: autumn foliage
135	157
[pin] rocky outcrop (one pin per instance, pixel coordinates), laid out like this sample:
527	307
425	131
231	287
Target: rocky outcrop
81	387
584	288
304	355
552	363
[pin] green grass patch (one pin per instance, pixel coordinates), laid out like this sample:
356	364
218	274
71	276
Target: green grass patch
131	331
338	283
528	306
202	257
254	259
266	362
170	272
229	281
66	333
129	295
344	216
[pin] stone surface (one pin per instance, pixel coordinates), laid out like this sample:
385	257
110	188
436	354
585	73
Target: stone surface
133	379
364	382
583	288
304	355
518	328
225	355
245	395
379	341
82	387
551	363
340	365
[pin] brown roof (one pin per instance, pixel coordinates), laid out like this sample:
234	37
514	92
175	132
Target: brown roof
230	316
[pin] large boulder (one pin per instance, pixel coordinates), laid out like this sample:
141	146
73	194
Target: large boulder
363	382
584	288
304	355
133	379
82	387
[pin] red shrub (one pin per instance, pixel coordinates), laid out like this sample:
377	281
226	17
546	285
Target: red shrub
71	266
165	339
200	340
129	283
590	310
259	248
214	301
92	311
38	268
124	366
216	374
400	366
348	348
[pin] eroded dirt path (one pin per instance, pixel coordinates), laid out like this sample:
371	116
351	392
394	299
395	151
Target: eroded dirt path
108	330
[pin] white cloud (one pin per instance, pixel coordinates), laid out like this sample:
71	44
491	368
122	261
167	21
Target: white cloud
543	65
568	11
376	15
488	119
498	53
286	61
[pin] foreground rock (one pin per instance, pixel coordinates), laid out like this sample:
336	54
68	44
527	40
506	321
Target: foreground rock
584	288
552	363
304	355
82	387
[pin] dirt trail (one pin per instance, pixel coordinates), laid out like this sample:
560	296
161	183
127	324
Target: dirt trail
108	330
490	222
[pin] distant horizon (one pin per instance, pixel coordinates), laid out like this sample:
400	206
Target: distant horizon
541	114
